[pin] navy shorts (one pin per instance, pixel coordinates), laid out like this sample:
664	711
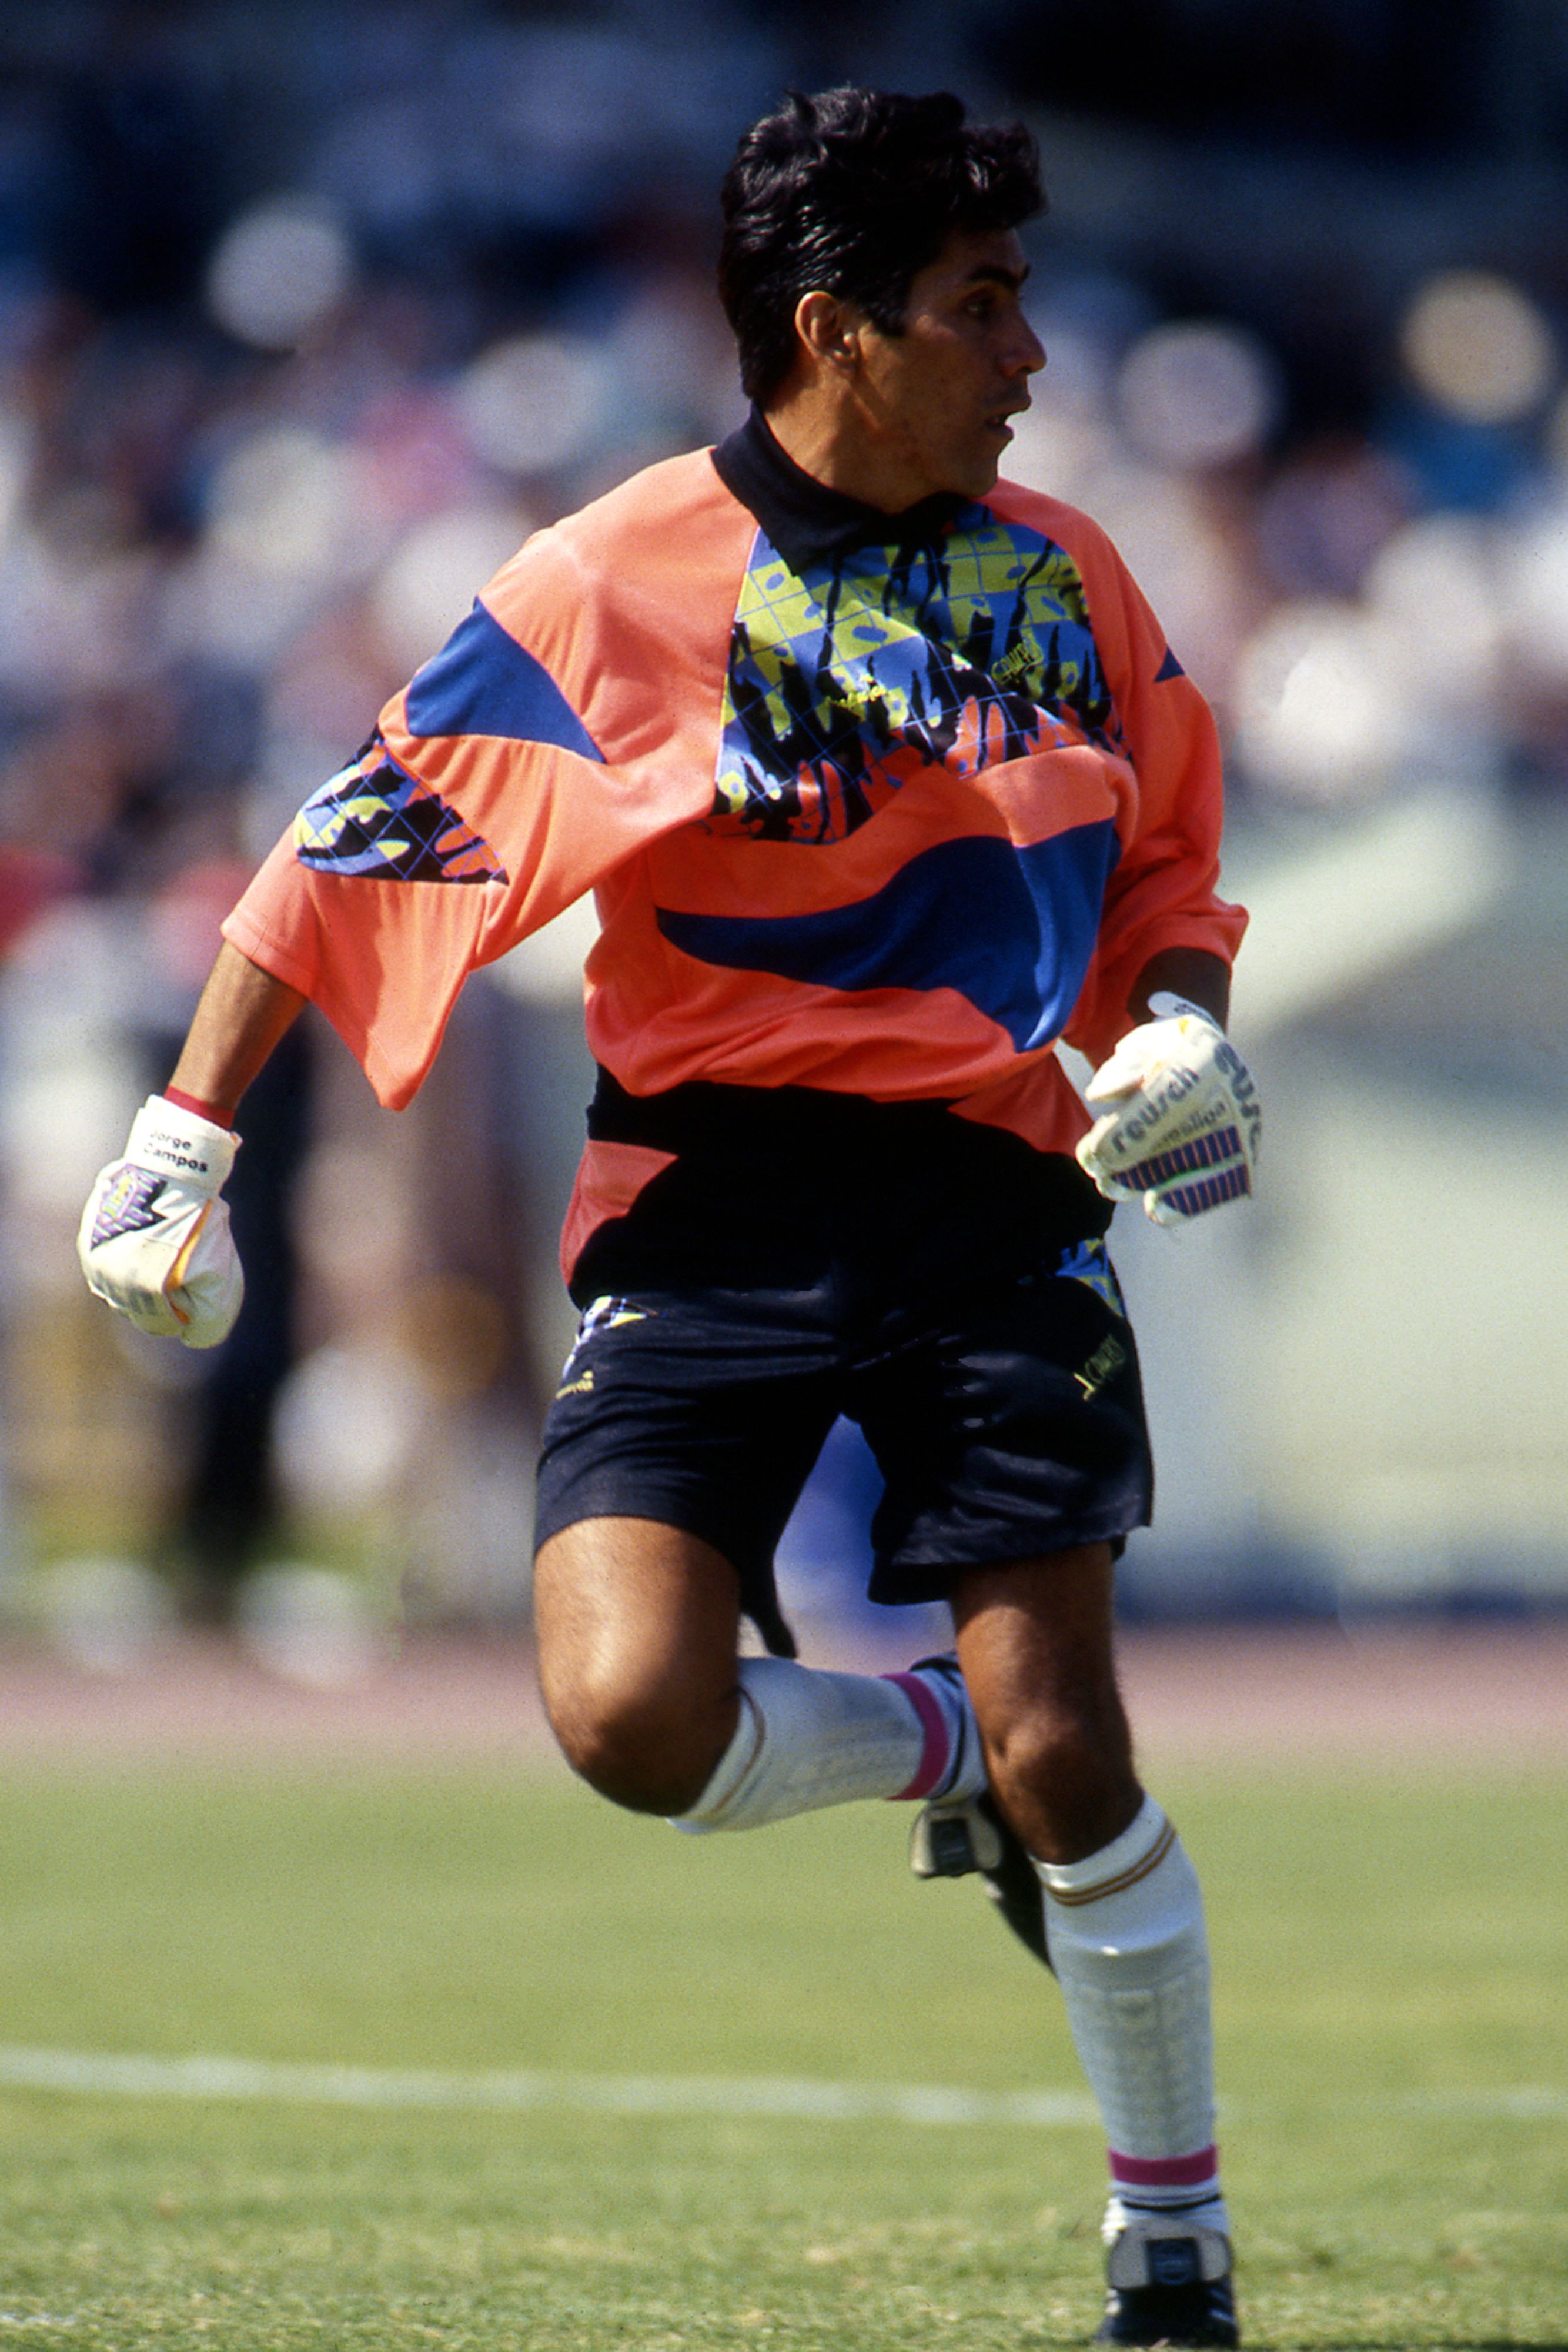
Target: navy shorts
807	1256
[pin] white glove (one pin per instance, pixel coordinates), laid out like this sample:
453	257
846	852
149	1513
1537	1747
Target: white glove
1184	1132
155	1238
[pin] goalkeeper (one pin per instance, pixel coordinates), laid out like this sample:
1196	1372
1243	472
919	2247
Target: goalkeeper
886	780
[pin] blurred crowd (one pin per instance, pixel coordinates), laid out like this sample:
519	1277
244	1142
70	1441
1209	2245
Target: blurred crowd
307	318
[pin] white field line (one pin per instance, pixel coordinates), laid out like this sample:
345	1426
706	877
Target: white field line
91	2073
1529	2103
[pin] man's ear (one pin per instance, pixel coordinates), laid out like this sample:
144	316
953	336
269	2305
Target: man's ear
829	329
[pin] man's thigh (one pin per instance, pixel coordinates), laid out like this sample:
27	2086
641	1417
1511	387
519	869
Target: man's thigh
1009	1428
701	1410
637	1627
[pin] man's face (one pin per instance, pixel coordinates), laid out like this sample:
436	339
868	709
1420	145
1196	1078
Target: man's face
936	398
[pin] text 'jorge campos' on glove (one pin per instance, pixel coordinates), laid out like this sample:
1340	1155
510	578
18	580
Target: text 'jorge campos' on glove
1183	1128
154	1239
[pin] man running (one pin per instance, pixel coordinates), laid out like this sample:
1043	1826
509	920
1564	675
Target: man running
886	780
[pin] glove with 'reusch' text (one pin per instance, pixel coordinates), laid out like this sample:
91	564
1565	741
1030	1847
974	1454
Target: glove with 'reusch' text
1180	1125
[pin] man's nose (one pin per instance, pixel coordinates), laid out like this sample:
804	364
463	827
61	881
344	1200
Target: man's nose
1027	356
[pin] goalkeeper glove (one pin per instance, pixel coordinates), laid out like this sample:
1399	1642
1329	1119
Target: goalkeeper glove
1183	1129
155	1238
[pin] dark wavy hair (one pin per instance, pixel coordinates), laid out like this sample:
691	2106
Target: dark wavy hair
854	192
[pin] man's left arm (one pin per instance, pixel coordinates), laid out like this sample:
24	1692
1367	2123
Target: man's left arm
1179	1124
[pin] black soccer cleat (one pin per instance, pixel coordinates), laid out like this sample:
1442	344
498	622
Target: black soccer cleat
951	1839
953	1835
1169	2285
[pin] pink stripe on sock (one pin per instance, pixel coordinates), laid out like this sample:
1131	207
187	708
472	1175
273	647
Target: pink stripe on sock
936	1753
1165	2171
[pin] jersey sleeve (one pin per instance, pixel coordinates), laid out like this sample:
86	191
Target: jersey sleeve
1163	890
508	779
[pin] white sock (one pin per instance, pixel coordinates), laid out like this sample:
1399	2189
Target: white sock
1131	1953
1202	2212
808	1738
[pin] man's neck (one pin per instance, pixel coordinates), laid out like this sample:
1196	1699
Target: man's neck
809	523
831	441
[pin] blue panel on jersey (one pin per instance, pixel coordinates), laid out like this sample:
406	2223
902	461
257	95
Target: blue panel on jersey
483	682
1169	667
1012	929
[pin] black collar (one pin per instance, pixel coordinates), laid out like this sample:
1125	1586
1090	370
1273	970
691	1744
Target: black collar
810	524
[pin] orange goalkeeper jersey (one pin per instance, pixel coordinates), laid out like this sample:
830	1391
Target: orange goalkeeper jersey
879	805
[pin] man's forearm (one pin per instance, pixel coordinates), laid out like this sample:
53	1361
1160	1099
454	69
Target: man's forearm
1204	980
243	1013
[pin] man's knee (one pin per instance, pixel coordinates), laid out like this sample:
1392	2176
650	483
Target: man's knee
1077	1740
1035	1641
637	1653
1064	1777
651	1749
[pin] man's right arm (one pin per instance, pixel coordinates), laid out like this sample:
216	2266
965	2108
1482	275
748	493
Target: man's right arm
243	1012
154	1239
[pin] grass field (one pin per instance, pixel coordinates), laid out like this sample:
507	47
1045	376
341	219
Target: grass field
1392	2015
